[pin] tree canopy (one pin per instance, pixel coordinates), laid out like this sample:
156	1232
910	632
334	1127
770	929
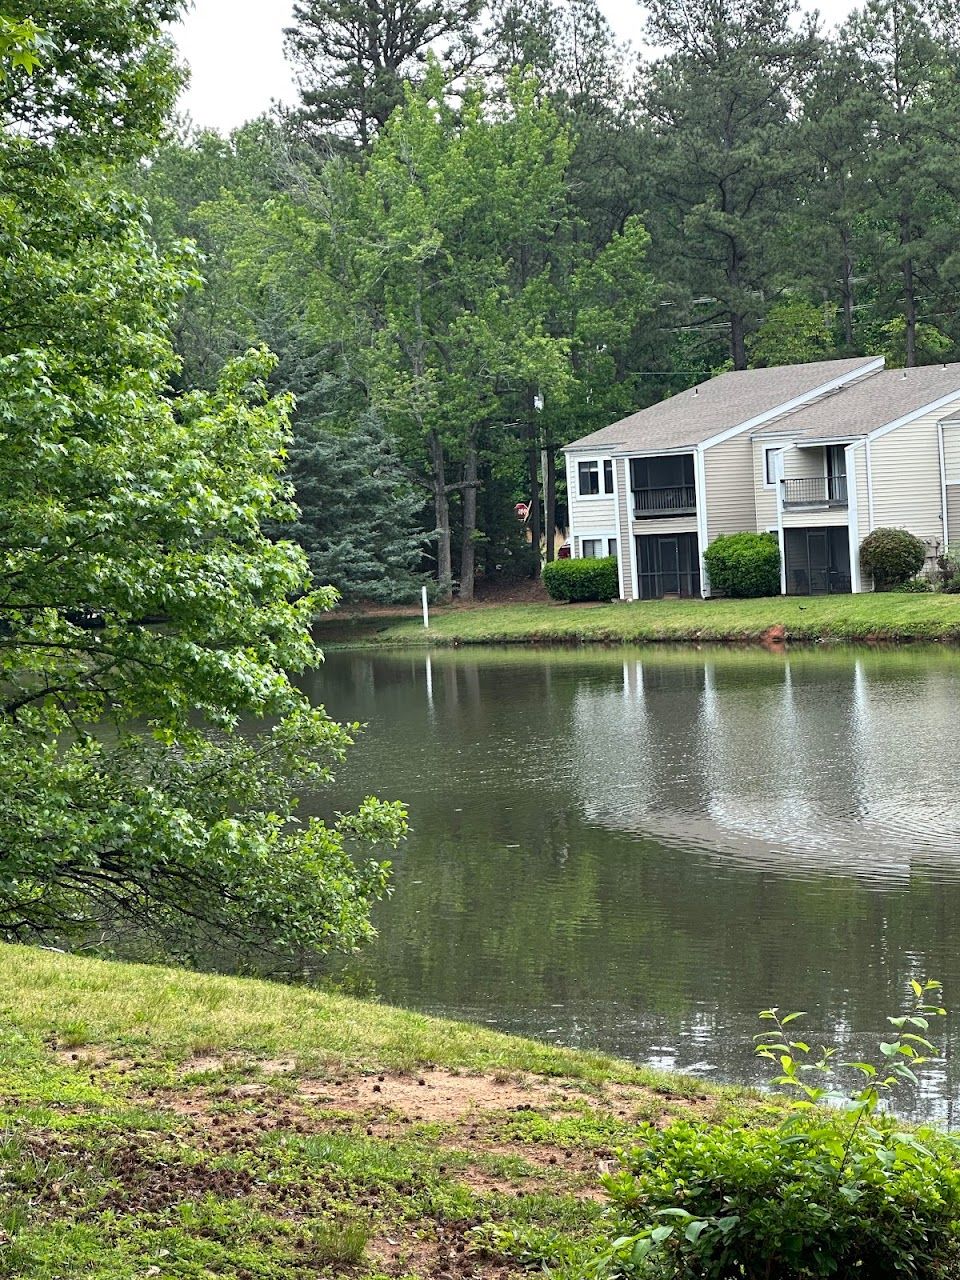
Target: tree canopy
152	737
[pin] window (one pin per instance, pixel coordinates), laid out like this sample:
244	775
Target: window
611	547
589	479
588	476
770	467
591	548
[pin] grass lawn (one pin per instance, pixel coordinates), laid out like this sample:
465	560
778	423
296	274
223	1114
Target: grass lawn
160	1123
883	616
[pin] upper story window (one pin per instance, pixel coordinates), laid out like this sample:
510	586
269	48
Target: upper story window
770	467
589	477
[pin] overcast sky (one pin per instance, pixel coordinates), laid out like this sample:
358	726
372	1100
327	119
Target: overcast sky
234	49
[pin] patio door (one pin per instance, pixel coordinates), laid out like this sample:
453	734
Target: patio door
669	567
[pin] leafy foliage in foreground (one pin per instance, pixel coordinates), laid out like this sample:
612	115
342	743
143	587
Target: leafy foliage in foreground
826	1193
814	1197
142	610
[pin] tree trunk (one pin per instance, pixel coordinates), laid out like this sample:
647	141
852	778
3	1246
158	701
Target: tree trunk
550	501
441	505
738	345
846	287
533	470
909	296
468	555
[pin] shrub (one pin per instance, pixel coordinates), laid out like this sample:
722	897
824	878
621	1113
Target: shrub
573	580
826	1193
744	564
914	586
892	556
822	1195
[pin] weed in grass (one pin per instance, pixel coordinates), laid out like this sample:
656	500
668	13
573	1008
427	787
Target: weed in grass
343	1243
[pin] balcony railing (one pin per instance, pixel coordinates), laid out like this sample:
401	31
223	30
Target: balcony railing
815	491
670	500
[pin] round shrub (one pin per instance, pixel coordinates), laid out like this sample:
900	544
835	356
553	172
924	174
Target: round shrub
575	580
744	564
892	556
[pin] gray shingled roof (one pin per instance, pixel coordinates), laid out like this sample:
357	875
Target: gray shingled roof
728	400
868	404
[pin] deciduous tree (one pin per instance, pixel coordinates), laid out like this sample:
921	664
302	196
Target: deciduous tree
146	622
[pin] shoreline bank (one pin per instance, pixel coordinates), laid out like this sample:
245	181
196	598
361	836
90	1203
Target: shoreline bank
888	618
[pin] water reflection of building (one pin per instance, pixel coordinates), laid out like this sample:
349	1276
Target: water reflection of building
843	765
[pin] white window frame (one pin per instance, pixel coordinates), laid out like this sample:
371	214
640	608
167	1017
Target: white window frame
601	464
603	536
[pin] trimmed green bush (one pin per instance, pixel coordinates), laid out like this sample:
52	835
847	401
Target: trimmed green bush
744	564
892	556
575	580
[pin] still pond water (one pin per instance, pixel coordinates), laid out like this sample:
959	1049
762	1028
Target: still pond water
639	849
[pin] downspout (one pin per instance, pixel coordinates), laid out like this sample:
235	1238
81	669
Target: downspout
869	486
631	540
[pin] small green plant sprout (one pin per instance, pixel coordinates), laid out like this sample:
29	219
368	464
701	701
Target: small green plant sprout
899	1057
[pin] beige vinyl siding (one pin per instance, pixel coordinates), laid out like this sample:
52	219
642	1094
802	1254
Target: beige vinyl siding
951	453
587	514
678	524
623	522
905	477
953	515
765	499
801	464
728	484
859	480
815	517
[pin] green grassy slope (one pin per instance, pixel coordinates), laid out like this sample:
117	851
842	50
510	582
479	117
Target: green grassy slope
159	1123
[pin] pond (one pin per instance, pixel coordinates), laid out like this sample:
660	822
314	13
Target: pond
637	850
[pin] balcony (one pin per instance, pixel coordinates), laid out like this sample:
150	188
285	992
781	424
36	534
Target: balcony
814	491
665	500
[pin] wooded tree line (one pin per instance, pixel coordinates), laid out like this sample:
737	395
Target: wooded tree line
483	232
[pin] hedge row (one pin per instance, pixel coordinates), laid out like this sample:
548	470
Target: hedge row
575	580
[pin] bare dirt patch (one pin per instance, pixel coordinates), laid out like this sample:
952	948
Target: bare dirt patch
445	1254
436	1095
